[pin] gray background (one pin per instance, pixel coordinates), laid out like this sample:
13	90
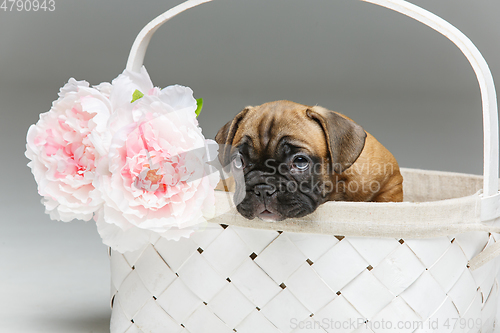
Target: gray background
404	83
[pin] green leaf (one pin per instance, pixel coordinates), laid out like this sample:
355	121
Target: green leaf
199	103
136	95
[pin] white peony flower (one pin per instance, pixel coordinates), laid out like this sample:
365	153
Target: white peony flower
129	154
62	151
155	177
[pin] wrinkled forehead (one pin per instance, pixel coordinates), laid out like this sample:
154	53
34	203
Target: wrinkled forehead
278	131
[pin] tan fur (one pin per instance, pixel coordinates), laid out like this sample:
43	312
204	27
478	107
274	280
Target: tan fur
374	176
375	165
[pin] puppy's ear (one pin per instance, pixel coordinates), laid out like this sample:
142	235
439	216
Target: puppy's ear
226	135
345	139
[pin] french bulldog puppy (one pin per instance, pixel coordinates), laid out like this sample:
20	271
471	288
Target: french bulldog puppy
293	158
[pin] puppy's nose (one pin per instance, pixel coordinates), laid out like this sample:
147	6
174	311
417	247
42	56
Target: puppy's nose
264	190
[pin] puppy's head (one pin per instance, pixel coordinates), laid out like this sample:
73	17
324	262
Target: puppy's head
288	155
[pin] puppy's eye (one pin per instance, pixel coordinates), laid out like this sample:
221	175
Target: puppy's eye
238	162
301	163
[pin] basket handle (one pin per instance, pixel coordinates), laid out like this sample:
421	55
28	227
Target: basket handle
478	63
490	202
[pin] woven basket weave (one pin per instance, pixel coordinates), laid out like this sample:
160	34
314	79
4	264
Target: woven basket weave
424	265
230	278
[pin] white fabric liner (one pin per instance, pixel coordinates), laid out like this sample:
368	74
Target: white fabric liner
436	204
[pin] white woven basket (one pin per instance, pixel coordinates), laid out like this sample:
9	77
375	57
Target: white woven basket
423	265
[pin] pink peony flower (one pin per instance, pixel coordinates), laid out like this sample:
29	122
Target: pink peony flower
155	178
127	153
63	151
